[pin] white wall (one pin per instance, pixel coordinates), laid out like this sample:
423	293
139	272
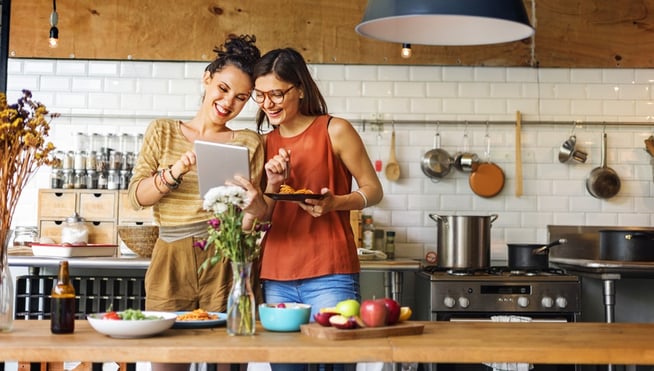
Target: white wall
121	96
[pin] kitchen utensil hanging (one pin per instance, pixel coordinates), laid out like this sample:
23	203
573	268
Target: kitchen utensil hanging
649	148
466	161
488	179
603	182
437	162
518	154
568	149
392	170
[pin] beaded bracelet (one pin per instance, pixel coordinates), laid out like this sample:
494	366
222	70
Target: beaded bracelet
365	199
154	182
176	180
164	181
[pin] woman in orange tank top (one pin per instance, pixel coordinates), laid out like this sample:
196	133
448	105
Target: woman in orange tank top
309	254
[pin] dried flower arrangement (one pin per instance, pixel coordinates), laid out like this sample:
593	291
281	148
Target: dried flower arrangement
23	148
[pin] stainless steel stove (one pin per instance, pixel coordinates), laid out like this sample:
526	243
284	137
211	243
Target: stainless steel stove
447	295
539	296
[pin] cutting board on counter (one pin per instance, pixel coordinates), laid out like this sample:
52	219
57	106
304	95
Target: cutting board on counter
332	333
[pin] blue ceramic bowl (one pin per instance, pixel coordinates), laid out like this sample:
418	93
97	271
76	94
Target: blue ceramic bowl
286	319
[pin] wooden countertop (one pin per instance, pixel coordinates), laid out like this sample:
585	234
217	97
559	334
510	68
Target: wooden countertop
554	343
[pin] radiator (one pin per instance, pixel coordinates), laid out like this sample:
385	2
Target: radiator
93	294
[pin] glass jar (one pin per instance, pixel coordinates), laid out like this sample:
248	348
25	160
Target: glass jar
390	245
56	178
91	179
113	179
79	181
74	230
25	236
68	179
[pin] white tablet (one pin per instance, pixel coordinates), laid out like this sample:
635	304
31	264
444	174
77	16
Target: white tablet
219	162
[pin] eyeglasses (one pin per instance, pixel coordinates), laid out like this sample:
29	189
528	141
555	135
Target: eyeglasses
276	96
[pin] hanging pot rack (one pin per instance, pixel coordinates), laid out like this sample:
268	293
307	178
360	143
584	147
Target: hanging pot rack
378	123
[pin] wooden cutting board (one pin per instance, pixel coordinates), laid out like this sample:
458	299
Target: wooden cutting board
332	333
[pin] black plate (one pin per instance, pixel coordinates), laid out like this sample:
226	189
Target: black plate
294	196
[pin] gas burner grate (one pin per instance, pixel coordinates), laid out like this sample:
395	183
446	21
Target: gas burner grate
525	272
453	271
495	270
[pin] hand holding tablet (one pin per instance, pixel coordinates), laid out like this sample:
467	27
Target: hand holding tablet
218	163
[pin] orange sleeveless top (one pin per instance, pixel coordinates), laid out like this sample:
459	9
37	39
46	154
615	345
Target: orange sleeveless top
299	246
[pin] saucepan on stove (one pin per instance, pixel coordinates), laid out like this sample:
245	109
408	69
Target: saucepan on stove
463	241
530	256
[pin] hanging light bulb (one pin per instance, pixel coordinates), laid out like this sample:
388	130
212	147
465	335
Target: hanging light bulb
54	31
406	51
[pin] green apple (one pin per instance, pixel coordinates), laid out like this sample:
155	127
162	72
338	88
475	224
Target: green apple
348	308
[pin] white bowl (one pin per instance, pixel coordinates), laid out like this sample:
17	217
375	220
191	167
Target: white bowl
132	328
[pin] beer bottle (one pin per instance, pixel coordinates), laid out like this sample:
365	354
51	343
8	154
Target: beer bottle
62	303
368	233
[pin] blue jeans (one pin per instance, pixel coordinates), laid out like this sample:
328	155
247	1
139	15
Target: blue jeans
320	292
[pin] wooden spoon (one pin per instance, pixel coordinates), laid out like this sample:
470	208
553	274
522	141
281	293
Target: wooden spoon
518	154
392	170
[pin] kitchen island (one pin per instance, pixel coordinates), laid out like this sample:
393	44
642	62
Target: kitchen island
463	342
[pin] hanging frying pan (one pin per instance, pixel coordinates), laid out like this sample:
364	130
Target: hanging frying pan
488	179
603	182
436	163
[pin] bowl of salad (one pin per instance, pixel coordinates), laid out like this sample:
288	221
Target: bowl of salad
131	323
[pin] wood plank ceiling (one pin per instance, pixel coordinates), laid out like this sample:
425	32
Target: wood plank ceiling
569	33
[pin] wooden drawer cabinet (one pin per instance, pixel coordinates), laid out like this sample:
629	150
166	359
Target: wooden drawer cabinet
98	206
103	211
57	205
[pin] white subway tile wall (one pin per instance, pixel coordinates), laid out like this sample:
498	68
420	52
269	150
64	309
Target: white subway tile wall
122	96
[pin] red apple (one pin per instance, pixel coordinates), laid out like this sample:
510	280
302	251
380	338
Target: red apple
342	322
393	311
323	318
373	312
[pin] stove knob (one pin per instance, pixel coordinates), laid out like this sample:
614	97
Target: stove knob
464	302
523	302
561	302
547	302
449	302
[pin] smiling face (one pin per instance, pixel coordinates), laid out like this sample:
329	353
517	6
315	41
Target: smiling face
278	113
226	93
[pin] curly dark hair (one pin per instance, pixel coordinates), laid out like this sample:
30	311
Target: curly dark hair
238	51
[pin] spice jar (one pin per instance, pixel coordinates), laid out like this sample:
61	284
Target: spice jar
75	230
25	236
390	245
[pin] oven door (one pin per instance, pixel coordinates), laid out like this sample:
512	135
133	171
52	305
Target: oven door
515	317
488	317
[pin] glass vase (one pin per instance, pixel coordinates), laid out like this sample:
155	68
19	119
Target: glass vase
6	288
241	306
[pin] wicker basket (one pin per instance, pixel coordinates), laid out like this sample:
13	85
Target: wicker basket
139	238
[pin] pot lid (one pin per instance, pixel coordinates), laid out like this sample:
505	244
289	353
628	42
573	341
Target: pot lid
75	218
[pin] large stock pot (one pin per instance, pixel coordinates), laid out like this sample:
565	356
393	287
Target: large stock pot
463	241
